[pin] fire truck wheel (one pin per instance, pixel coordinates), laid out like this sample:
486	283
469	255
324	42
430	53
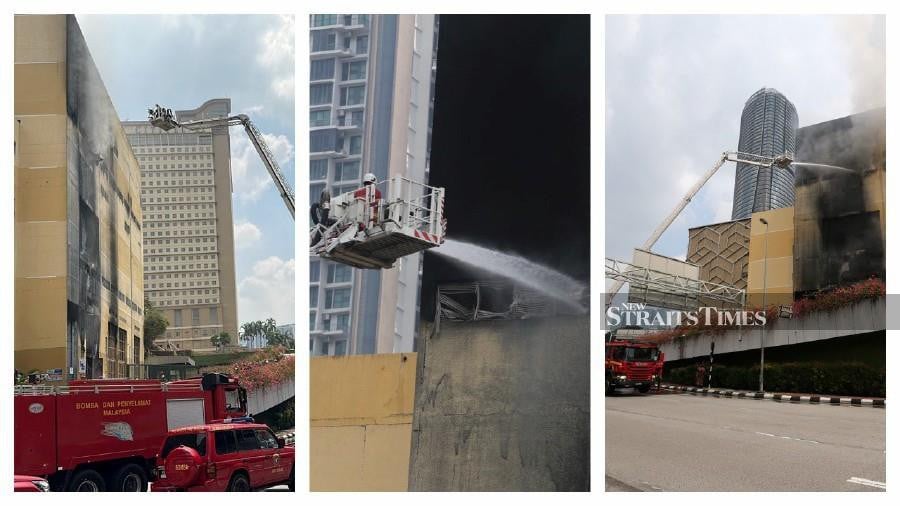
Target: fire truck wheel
131	478
291	480
87	480
239	483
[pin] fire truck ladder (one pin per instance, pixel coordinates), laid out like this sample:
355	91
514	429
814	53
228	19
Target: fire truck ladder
781	162
163	118
693	291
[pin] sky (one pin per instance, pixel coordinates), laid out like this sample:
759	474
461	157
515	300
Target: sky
511	141
180	61
675	88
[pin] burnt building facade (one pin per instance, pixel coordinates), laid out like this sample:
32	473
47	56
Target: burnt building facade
840	212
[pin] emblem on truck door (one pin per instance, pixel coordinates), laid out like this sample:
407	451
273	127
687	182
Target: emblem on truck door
119	430
36	408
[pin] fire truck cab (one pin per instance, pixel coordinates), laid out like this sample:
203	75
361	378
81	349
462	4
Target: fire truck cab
97	435
633	364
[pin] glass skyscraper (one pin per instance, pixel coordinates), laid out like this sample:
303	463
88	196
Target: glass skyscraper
768	128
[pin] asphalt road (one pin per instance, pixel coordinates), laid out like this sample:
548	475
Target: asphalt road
683	442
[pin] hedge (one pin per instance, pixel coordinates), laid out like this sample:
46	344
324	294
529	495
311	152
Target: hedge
847	378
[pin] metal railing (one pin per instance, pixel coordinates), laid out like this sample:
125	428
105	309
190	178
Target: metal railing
691	291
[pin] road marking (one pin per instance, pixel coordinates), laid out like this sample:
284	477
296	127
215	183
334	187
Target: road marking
868	483
788	438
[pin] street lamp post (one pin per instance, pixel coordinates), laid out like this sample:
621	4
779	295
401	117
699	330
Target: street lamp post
762	334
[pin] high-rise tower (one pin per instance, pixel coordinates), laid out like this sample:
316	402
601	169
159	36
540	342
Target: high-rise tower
768	128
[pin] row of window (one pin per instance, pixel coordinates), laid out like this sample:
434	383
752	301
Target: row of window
185	149
180	224
173	139
325	347
182	302
335	298
211	274
166	171
324	69
322	117
194	232
327	41
323	94
336	273
318	20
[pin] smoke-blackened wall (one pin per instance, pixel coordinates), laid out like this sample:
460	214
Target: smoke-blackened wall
511	141
99	195
839	215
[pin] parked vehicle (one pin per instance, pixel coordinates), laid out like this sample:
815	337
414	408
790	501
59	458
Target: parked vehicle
99	435
633	364
233	456
31	484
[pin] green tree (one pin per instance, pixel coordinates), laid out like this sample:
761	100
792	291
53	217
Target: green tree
155	324
220	340
267	329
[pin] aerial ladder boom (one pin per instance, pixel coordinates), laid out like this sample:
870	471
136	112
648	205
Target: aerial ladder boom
782	162
163	118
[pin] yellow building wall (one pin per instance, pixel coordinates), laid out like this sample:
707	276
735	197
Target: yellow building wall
40	192
361	409
774	253
41	136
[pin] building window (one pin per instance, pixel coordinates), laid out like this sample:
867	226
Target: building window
320	118
312	320
320	94
362	44
356	144
314	296
339	273
336	298
323	41
346	171
315	192
356	118
321	69
353	95
314	271
177	317
324	350
340	347
195	316
353	70
342	322
324	19
318	169
214	315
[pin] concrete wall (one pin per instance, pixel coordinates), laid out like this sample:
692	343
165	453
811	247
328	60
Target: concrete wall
860	318
361	421
772	252
261	399
503	405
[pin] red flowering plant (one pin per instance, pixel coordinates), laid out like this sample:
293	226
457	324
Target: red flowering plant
263	369
830	300
714	322
872	288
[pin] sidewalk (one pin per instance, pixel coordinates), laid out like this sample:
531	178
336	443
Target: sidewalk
781	397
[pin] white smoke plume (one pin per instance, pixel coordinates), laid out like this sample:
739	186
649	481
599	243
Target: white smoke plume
865	51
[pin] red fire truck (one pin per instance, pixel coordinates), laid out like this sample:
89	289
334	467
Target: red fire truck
632	364
97	435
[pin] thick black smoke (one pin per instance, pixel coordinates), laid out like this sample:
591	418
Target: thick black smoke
511	141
